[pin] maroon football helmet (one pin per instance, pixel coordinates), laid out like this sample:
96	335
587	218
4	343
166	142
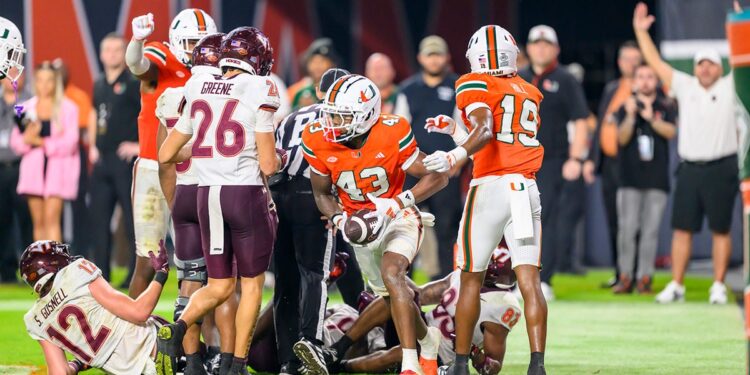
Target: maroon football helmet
247	48
365	299
208	50
43	258
500	273
339	267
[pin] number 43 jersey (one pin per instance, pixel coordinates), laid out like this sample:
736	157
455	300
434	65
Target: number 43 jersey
70	318
378	167
224	114
514	104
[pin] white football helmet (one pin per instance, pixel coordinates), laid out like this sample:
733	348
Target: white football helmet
11	50
492	50
351	107
187	28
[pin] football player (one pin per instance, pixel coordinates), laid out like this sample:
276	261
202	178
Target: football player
180	186
80	313
499	313
159	66
502	111
366	157
11	50
233	152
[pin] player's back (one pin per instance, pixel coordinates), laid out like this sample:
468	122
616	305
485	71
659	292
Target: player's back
378	167
224	113
514	104
69	317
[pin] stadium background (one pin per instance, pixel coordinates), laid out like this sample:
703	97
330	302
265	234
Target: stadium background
590	32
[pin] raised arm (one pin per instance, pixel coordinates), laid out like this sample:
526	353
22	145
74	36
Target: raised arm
642	21
138	64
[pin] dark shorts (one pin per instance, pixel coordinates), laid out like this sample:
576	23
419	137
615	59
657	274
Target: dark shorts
237	223
187	230
705	189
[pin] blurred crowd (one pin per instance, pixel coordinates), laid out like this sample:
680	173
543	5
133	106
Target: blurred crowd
71	165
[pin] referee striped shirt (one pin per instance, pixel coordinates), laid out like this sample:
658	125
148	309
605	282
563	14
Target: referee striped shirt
289	137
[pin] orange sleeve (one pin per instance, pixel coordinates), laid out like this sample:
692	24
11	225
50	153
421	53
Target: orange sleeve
308	151
407	144
156	52
471	89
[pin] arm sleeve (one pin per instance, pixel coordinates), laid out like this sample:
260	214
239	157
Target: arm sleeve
65	143
135	57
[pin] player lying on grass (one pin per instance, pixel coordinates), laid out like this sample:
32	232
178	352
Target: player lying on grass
499	313
80	313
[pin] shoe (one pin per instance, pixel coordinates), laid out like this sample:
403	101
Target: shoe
624	286
609	283
453	370
430	344
549	294
213	361
165	364
673	292
718	293
644	285
194	365
536	370
313	357
429	366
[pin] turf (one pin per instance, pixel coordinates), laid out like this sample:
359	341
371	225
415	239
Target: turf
591	331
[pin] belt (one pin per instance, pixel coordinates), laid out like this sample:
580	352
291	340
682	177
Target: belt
708	163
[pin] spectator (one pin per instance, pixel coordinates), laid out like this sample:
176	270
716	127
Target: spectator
318	58
49	149
428	94
646	124
604	154
83	101
13	208
707	146
379	69
114	144
559	179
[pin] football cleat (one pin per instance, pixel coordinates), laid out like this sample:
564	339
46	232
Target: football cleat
673	292
165	364
314	357
453	370
717	293
429	366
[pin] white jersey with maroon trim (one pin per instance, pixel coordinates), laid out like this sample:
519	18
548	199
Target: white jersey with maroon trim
339	319
496	306
69	317
168	108
224	114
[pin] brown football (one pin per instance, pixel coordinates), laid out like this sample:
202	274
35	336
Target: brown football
360	230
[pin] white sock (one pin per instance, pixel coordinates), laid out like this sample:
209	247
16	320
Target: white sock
430	343
410	361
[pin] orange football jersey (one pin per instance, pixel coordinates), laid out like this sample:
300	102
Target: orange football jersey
515	110
172	73
377	167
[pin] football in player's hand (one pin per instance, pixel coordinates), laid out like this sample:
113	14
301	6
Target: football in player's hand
360	230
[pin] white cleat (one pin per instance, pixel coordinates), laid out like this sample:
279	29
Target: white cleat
549	294
673	292
717	293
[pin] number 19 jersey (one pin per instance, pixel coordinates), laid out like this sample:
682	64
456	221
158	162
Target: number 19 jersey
514	104
224	115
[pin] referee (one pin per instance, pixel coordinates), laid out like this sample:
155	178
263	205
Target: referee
304	249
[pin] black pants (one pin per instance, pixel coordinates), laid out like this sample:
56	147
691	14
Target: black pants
81	230
351	283
13	209
109	184
447	208
562	202
303	255
610	182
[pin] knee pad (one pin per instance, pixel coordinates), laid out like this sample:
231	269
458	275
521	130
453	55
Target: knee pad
179	308
191	270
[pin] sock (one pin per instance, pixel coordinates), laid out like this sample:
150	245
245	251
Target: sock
537	359
429	344
213	351
179	328
194	360
462	360
342	346
225	362
410	361
238	364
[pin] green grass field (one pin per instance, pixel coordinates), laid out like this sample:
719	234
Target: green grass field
590	332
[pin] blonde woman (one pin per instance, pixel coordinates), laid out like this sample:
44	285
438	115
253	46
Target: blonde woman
47	140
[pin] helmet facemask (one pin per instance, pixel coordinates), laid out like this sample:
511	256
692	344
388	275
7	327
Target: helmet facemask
182	47
341	124
11	65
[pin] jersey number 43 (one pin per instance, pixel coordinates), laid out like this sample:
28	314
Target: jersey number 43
347	182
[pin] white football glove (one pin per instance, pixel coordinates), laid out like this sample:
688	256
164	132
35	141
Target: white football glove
385	210
428	219
441	161
440	124
143	26
339	221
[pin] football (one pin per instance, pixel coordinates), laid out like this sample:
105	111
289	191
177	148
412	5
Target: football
360	230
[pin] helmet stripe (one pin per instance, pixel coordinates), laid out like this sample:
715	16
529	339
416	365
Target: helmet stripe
337	87
201	20
491	47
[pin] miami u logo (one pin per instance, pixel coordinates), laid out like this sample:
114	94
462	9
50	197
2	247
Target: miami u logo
517	187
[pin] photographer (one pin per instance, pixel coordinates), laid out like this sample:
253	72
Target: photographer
646	124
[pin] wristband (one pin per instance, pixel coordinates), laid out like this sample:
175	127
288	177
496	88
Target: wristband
459	135
459	153
406	199
336	218
161	277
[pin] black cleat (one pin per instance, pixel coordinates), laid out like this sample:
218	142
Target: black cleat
314	357
238	369
194	365
453	370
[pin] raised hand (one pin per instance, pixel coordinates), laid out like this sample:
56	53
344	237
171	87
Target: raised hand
642	21
143	26
160	262
440	124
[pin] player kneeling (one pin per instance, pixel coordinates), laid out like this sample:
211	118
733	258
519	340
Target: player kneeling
79	312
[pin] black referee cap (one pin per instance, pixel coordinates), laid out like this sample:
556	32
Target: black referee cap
330	76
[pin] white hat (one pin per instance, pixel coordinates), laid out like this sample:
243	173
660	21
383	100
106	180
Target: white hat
542	32
709	54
